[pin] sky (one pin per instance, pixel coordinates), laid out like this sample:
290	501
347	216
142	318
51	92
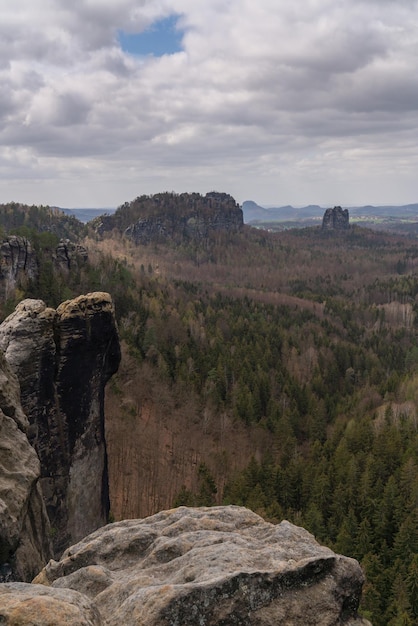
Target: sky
307	102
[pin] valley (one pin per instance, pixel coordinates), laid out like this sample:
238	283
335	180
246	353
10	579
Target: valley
278	371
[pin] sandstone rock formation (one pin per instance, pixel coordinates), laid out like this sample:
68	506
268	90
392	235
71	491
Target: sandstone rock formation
36	605
63	360
24	526
69	255
197	218
169	216
335	219
17	258
209	566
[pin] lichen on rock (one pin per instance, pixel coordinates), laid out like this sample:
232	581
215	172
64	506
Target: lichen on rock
210	566
35	605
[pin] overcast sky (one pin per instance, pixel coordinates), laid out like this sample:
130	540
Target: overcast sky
305	102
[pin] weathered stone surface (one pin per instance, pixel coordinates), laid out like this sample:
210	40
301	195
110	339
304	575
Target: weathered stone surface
210	566
24	527
170	216
17	255
335	219
17	259
36	605
69	255
63	360
28	343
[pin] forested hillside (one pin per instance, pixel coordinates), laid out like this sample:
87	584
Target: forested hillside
21	219
278	371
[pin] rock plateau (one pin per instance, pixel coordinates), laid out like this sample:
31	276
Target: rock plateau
175	217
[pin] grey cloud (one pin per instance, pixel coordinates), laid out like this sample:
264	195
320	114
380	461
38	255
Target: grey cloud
69	109
261	82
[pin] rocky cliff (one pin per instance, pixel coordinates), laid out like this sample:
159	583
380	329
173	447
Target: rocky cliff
335	219
69	255
169	216
209	566
63	359
24	525
17	260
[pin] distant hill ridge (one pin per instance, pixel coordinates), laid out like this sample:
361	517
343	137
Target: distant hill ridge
255	213
86	215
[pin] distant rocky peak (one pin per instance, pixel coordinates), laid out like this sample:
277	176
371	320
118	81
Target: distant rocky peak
335	219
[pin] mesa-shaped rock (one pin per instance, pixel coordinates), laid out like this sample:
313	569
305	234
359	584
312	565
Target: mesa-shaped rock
210	566
63	360
173	217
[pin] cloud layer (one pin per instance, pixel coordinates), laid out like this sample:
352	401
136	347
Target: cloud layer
315	101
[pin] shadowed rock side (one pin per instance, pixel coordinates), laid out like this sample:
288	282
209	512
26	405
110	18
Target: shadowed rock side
335	219
209	566
24	526
69	255
63	360
177	217
17	260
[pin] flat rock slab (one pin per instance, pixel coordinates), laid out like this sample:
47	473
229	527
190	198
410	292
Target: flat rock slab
207	566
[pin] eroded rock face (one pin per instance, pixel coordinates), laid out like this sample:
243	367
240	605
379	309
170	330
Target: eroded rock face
17	258
198	217
36	605
69	255
210	566
335	219
63	360
24	525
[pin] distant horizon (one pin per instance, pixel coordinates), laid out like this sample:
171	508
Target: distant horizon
262	205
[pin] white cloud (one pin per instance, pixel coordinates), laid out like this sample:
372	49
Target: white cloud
277	101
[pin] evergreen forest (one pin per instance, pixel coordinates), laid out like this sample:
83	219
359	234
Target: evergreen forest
306	340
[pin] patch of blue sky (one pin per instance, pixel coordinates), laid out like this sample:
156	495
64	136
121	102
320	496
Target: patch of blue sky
162	37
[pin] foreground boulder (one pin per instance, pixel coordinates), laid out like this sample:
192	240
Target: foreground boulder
36	605
209	566
63	359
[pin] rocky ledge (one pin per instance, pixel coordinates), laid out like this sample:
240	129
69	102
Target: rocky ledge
207	566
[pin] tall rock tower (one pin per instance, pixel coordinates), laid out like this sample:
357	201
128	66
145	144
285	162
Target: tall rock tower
63	359
335	219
